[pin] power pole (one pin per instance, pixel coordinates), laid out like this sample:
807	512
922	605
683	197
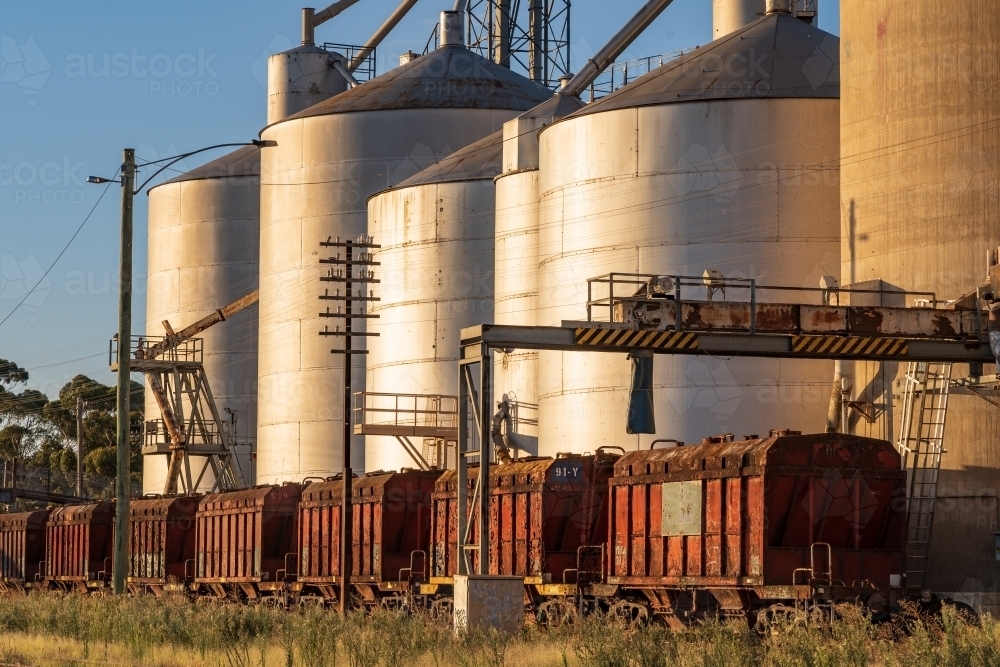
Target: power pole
120	559
348	313
79	447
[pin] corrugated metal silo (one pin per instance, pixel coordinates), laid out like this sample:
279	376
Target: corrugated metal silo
723	159
203	254
316	179
921	181
436	233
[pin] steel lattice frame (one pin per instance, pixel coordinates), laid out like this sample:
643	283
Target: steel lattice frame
501	30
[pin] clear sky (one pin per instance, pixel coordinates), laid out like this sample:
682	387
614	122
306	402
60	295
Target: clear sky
82	80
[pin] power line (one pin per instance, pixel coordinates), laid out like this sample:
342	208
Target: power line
61	252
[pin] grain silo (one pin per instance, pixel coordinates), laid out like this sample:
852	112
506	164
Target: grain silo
516	371
920	186
724	159
436	233
203	254
320	168
204	231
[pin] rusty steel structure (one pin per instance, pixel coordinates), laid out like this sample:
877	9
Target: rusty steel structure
22	548
175	371
161	544
78	547
244	542
392	520
547	521
782	526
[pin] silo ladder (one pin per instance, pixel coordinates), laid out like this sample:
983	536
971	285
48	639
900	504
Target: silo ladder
921	444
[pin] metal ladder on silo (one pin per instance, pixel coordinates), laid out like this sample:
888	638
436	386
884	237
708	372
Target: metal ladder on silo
921	444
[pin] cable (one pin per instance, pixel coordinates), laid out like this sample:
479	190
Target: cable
61	252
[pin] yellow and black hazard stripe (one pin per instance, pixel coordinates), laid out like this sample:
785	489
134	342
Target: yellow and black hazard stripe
850	346
632	339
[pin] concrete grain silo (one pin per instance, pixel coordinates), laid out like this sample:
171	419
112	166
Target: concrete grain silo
436	233
920	185
203	254
723	159
516	372
317	174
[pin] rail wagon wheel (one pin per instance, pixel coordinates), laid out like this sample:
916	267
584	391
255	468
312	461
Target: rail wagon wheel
556	614
443	609
771	621
630	613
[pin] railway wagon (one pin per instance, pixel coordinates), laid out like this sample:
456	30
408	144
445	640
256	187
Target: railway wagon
548	524
22	548
161	544
391	537
763	528
244	543
79	542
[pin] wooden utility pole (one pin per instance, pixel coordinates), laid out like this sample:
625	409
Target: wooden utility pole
353	309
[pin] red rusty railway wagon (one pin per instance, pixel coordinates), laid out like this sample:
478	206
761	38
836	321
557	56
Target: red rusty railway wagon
161	543
548	524
244	542
22	547
79	542
735	527
391	536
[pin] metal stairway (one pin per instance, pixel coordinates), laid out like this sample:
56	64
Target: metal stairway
921	444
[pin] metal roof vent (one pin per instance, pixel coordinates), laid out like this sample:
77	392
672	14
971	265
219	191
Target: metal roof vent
779	6
452	28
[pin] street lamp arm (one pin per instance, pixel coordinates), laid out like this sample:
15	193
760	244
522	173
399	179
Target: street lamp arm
177	158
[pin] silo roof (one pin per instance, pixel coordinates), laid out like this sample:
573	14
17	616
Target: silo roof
240	163
776	56
479	160
450	77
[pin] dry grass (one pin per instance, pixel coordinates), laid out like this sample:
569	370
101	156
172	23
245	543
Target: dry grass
72	630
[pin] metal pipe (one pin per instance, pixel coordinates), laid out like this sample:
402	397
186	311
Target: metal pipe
322	17
536	52
308	26
843	381
380	34
460	5
344	72
500	34
614	48
779	6
79	447
451	29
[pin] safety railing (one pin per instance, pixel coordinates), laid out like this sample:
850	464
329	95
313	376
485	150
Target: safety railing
606	292
190	351
405	412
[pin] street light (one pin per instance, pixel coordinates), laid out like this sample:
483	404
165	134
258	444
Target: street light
127	181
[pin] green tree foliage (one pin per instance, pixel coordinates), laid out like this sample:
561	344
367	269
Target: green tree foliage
42	433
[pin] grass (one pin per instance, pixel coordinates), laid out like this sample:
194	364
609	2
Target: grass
75	630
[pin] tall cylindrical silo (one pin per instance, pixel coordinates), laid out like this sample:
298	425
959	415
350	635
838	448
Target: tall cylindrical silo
436	233
316	176
724	159
921	181
515	373
203	254
731	15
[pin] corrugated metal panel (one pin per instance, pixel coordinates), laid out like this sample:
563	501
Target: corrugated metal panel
161	539
245	536
541	512
391	519
22	545
79	542
758	506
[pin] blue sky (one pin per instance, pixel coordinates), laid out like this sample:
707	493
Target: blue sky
180	75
